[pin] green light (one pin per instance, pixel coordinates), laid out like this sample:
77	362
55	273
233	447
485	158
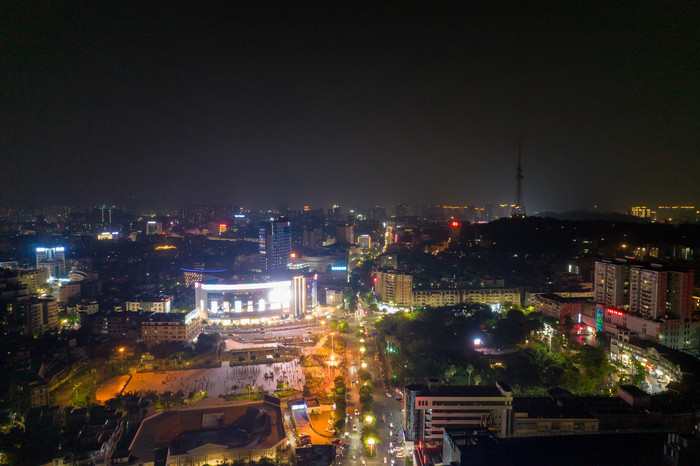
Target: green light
394	375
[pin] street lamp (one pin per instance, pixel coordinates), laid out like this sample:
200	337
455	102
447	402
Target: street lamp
370	443
121	354
332	347
369	419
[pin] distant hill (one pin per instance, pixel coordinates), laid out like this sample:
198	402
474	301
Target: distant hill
588	216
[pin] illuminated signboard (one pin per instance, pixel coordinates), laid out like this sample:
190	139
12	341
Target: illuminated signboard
339	268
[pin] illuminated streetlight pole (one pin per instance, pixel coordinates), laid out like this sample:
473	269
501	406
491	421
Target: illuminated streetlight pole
332	348
121	354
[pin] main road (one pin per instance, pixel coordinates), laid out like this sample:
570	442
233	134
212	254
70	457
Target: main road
386	409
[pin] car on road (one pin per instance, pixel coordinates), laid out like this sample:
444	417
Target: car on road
388	394
330	430
391	425
401	455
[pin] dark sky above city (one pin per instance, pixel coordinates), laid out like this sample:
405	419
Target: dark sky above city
358	103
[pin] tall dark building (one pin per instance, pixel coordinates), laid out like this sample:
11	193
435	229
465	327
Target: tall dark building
275	245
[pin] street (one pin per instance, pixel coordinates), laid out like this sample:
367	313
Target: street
387	410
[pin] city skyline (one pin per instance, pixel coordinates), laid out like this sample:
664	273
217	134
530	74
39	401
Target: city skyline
290	104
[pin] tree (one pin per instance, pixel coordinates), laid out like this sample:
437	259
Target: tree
206	342
477	379
450	373
639	372
470	370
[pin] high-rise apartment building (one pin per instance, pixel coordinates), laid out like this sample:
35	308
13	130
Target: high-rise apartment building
344	234
394	288
53	260
611	287
312	238
41	315
34	278
275	245
679	294
647	292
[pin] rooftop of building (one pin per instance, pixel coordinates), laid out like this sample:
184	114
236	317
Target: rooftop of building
561	299
232	425
595	448
458	391
544	407
316	455
689	364
170	316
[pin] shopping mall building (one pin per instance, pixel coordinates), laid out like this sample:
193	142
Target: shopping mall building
257	303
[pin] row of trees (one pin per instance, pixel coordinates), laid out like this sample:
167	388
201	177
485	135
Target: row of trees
340	403
439	343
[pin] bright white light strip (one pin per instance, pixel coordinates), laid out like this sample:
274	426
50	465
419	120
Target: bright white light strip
245	286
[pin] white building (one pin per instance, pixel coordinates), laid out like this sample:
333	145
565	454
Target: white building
429	410
161	305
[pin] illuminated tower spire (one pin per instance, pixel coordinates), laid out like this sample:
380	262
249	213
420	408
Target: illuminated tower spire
518	207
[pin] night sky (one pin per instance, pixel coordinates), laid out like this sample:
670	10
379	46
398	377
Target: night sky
264	103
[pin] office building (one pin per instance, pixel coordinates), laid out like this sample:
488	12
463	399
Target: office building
388	261
364	241
153	227
53	260
558	307
431	409
275	245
